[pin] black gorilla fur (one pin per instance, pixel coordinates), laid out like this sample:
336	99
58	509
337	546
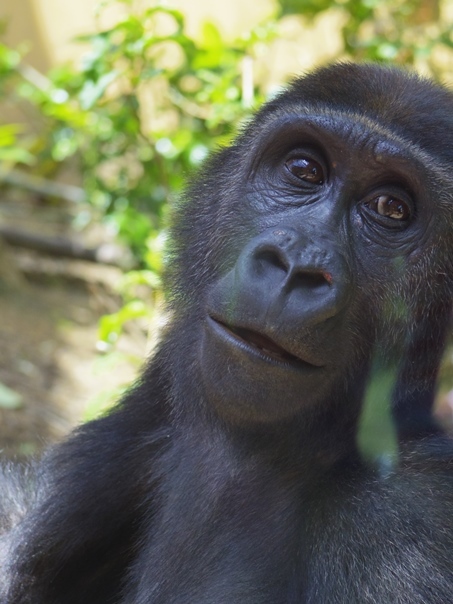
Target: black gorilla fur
230	473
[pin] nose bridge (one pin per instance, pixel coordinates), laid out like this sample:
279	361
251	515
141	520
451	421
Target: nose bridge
306	251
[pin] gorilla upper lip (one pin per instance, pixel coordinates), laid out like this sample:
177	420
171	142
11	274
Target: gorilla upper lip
263	344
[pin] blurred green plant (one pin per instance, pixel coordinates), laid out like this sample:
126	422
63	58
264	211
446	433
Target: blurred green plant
148	101
406	32
138	114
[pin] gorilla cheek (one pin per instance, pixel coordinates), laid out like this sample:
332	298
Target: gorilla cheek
243	386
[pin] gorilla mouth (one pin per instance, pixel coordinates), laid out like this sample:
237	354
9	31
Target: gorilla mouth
263	344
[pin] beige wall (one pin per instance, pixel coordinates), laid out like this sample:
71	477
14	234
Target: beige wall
49	26
21	26
46	26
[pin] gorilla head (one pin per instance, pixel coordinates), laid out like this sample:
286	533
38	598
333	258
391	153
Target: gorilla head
322	233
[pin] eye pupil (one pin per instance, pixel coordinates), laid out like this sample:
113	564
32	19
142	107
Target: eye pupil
306	169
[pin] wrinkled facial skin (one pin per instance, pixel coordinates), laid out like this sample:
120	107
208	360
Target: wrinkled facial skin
339	217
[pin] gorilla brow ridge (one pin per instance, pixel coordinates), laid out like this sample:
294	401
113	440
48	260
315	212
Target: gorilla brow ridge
441	169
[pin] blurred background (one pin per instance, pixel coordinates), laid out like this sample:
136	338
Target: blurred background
105	109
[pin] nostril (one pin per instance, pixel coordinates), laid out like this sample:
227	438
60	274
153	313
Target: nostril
311	279
270	259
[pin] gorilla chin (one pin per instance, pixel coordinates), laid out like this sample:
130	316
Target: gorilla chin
250	378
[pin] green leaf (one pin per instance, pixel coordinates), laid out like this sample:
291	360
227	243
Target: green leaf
8	134
17	155
9	59
210	36
9	399
92	91
110	326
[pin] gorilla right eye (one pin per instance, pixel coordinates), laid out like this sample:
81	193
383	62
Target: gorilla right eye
389	206
306	169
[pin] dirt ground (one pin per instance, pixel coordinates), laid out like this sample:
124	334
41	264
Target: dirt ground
49	313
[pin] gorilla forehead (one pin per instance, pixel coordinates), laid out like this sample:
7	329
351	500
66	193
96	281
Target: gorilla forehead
413	108
295	125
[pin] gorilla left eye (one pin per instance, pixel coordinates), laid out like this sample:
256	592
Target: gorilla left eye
306	169
391	207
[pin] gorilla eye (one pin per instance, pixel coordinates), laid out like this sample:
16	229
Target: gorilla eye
391	207
306	169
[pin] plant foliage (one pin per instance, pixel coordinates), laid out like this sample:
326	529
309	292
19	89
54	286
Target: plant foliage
148	101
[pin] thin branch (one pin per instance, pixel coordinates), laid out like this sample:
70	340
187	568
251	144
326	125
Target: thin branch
65	248
43	186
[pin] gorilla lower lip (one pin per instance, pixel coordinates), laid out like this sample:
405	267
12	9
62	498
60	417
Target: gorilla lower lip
264	345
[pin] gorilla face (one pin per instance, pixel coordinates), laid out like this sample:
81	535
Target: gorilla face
341	215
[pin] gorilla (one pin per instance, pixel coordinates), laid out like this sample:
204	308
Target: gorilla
316	245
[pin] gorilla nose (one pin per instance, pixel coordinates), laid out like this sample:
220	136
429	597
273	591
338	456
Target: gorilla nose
288	272
293	266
